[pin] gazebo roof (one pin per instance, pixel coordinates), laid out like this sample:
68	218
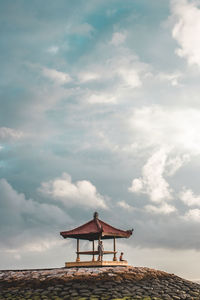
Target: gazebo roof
95	229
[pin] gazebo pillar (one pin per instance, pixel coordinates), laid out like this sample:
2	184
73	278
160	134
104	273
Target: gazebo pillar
77	251
114	249
93	256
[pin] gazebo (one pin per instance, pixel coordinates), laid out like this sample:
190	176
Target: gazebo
94	230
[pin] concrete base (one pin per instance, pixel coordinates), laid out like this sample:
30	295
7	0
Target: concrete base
95	264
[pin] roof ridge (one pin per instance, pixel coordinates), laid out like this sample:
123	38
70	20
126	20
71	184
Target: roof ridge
79	227
98	224
115	227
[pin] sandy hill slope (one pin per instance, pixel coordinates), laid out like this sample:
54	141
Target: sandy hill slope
95	283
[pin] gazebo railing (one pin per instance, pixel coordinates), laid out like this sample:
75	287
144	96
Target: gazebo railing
93	253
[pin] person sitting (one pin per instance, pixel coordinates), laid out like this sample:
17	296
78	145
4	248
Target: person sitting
121	256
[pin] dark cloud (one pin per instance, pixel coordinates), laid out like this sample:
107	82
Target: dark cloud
24	220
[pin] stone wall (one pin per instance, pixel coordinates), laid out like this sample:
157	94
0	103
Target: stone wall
95	283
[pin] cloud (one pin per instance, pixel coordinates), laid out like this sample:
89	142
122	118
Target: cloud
42	245
175	163
82	193
10	134
115	76
27	219
193	215
53	49
118	38
128	68
130	77
188	197
186	31
56	76
180	125
173	78
125	205
152	181
88	76
101	98
164	208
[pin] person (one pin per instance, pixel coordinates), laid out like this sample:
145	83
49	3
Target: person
121	257
100	250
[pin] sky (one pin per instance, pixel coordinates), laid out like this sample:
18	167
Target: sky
100	111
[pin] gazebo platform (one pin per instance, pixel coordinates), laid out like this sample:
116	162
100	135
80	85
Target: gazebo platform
96	264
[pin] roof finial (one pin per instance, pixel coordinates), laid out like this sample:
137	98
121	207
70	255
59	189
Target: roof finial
96	215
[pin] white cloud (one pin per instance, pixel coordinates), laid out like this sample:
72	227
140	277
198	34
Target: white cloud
152	124
10	134
188	197
130	77
101	98
187	29
164	208
125	205
193	215
56	76
82	193
152	181
118	38
137	185
173	78
88	76
127	68
175	163
53	49
122	70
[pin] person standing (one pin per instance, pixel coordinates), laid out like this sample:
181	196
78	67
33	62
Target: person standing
100	250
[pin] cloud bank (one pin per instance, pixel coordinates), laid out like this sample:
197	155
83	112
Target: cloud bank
82	193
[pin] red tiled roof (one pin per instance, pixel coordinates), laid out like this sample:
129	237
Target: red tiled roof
95	229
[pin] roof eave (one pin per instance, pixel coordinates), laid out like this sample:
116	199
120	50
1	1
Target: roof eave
96	235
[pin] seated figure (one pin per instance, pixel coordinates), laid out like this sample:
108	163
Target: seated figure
121	256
